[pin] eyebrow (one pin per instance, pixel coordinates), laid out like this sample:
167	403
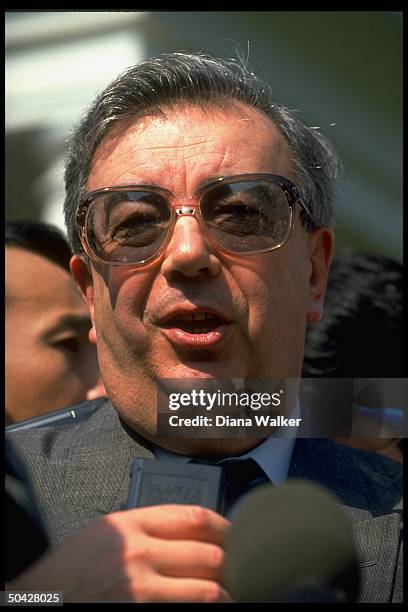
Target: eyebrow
210	179
73	321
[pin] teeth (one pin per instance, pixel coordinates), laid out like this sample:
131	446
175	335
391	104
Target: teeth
196	316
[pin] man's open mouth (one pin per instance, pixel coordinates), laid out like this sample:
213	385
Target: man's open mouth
195	322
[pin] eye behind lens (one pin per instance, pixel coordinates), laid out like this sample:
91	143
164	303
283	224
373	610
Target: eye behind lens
251	216
127	226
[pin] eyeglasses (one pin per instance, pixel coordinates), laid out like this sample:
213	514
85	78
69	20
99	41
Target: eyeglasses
132	224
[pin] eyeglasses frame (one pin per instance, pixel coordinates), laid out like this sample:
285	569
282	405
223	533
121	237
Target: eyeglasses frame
290	189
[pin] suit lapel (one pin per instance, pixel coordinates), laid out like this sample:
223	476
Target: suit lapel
377	542
99	462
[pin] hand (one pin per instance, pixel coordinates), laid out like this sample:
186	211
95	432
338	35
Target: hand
169	553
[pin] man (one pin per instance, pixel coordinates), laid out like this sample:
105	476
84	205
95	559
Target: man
199	213
364	297
50	362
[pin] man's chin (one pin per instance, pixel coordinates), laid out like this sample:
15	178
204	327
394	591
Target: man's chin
202	447
205	369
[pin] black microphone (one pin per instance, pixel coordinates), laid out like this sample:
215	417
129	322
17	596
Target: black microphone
291	543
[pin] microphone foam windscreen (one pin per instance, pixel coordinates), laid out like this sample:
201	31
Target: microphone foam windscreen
288	538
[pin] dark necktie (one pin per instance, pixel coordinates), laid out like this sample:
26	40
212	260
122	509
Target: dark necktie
240	477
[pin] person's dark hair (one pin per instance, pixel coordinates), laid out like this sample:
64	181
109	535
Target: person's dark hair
41	238
360	335
197	78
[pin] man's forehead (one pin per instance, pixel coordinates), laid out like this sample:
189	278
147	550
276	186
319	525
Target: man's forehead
193	131
174	117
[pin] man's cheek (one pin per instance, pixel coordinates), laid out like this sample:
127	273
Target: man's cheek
263	304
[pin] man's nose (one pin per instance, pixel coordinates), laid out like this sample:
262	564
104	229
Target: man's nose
188	252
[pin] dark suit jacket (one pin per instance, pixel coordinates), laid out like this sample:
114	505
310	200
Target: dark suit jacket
82	471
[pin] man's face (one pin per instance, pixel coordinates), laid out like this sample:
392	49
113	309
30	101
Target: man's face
266	299
50	362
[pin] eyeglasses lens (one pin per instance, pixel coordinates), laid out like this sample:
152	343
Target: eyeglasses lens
245	217
127	226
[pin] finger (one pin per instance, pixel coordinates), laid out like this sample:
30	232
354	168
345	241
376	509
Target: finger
162	589
187	558
179	522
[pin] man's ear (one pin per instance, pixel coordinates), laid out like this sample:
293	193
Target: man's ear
321	246
82	274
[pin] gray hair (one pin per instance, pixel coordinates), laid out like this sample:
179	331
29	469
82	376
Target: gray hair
197	78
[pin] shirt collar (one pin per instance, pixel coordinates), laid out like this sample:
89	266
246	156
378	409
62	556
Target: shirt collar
273	455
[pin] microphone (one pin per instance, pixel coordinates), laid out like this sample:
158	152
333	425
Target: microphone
62	416
291	543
